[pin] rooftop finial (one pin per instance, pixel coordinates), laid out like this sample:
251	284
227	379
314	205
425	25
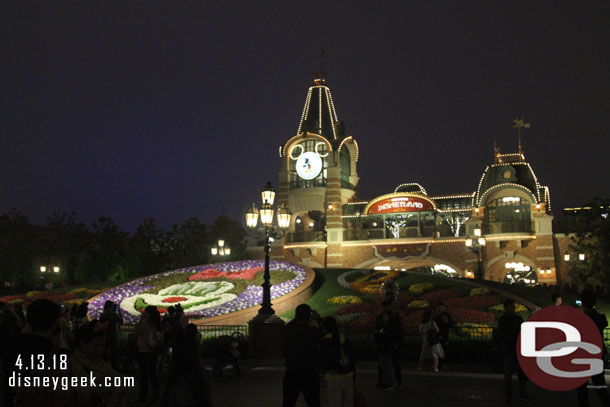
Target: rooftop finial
519	123
496	150
321	78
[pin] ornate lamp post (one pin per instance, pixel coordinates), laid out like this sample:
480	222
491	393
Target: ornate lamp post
46	270
269	232
476	245
574	265
220	250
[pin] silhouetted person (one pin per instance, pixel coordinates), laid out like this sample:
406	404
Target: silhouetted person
186	369
589	299
509	326
444	322
112	314
301	338
388	337
87	360
149	339
9	330
38	338
431	347
556	299
336	364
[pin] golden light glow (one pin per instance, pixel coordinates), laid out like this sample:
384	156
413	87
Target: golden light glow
268	194
266	213
283	217
252	217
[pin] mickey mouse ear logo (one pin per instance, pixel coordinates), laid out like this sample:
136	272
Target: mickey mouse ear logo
297	151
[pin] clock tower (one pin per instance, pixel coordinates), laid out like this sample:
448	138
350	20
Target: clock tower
318	174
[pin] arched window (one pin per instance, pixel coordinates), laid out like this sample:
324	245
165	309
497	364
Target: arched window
508	215
346	168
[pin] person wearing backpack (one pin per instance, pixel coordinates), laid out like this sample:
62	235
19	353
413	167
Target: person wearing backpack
336	365
149	339
431	347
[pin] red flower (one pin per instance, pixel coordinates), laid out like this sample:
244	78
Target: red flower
478	301
174	299
206	274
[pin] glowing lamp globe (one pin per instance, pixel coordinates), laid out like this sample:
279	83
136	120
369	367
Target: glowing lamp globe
469	242
214	251
268	193
477	231
283	217
566	256
266	214
252	217
227	251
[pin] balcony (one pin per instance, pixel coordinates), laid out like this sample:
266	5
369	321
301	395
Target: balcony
301	183
403	233
524	226
305	236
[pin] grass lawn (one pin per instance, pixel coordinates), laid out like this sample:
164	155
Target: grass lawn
541	296
326	281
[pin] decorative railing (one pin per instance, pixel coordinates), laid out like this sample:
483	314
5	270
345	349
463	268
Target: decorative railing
314	183
525	226
305	236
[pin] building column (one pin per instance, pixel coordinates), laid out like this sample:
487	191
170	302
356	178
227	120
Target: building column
334	218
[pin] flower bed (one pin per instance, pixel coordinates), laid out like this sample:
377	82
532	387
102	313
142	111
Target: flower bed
439	296
500	308
479	291
344	299
419	304
209	290
470	315
420	288
371	282
480	301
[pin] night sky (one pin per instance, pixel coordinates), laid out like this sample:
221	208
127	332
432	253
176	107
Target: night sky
134	109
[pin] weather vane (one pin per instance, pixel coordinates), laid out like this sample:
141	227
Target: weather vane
519	124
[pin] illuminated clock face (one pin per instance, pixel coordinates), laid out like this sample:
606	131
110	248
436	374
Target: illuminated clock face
309	165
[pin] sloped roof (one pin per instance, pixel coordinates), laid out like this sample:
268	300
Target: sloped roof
319	115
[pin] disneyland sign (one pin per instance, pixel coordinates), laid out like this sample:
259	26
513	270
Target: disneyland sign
400	204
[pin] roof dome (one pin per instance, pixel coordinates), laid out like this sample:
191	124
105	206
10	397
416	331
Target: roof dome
510	169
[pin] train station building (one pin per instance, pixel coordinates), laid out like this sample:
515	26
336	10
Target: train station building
502	229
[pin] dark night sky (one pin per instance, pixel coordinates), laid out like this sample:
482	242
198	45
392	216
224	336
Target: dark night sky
131	109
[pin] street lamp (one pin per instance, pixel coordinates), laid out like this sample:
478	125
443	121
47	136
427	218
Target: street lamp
220	249
45	270
573	266
268	231
476	245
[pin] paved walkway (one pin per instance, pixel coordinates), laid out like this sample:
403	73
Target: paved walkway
261	387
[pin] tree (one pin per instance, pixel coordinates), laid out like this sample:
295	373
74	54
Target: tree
17	249
593	239
192	243
107	254
233	233
65	244
153	248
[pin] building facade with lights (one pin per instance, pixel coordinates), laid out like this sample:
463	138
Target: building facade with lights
503	228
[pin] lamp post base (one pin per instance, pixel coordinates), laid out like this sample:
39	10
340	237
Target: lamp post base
266	337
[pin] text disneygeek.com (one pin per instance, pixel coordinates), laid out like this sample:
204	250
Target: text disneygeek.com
67	382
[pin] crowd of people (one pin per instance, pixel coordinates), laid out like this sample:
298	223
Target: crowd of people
320	362
48	342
